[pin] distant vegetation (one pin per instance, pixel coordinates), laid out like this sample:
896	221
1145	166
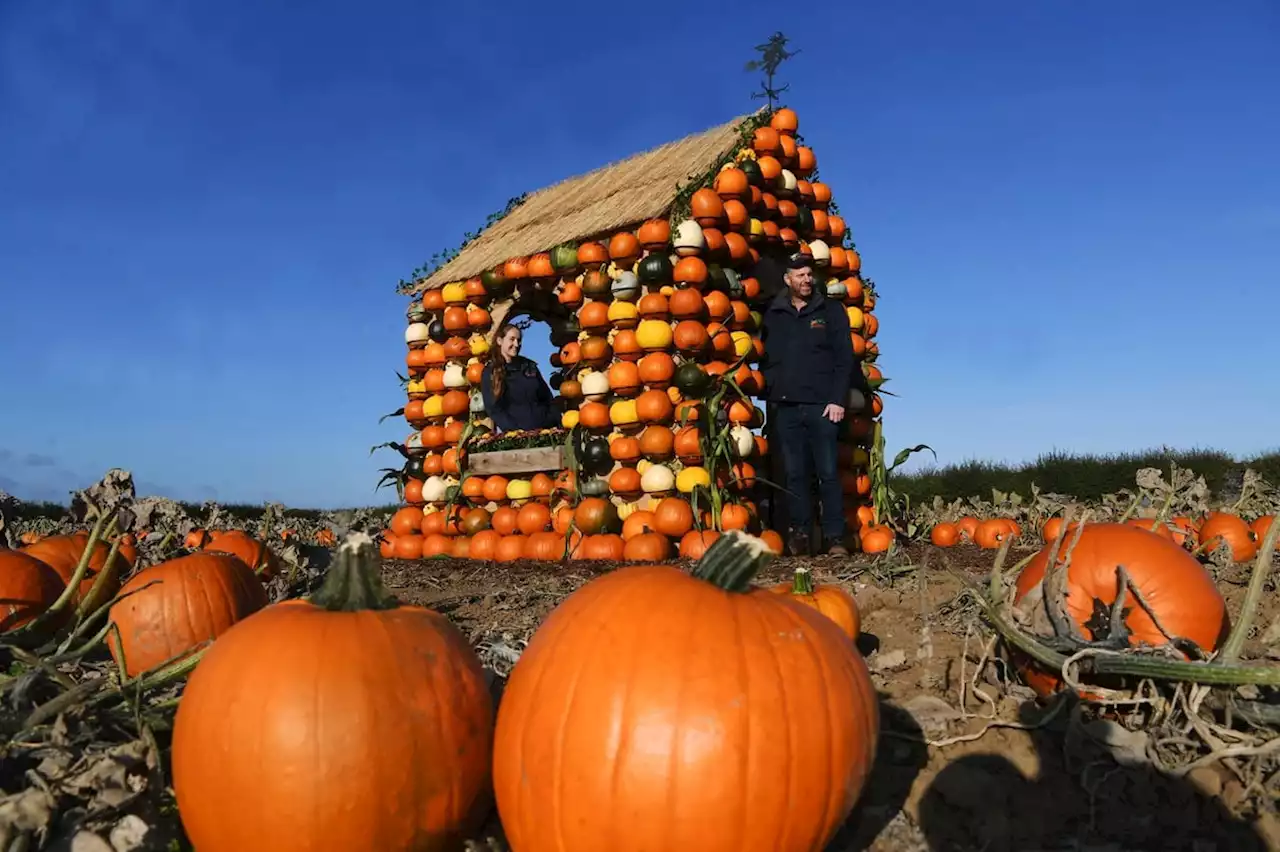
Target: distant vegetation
1083	476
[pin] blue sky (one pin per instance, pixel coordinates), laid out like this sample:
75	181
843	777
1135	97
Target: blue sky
1071	208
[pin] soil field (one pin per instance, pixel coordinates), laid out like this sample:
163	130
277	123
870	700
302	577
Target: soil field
968	759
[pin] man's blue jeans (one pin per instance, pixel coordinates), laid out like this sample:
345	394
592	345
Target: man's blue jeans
808	442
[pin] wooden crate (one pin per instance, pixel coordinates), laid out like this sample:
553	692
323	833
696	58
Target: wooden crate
539	459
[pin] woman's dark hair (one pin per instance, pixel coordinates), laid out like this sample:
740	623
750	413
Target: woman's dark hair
497	362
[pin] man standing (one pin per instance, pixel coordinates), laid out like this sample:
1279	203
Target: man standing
807	367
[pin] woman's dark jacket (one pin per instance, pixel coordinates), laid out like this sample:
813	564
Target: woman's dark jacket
526	399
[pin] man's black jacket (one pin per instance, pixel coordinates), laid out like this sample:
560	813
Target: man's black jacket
808	355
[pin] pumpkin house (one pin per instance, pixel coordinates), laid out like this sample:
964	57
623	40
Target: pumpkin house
651	274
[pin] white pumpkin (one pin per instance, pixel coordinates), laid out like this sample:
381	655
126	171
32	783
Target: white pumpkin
433	490
688	238
786	182
413	443
836	289
416	334
477	404
454	375
595	386
742	441
821	253
657	479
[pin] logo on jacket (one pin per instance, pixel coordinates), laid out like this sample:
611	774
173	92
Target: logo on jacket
817	322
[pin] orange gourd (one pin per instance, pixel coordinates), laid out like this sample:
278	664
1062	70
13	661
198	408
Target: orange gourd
1171	581
832	601
1223	527
62	553
166	611
673	516
28	587
245	781
944	534
647	547
656	369
813	729
533	518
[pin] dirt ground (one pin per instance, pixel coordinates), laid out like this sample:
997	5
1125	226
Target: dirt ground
997	770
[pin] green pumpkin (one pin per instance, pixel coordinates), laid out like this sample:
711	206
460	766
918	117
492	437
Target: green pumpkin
595	455
493	280
564	258
413	468
804	220
691	380
656	268
733	284
716	278
594	487
564	330
754	176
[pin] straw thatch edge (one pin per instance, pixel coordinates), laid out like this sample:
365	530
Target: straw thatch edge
620	194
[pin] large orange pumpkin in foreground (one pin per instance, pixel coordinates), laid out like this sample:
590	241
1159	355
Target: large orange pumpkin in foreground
622	727
343	721
172	607
1173	583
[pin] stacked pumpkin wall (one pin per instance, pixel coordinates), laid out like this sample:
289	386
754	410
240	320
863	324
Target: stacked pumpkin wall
657	368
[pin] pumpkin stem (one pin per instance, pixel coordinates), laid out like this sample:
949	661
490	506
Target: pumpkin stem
803	582
353	582
732	561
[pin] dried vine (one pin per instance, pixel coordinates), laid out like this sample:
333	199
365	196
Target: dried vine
405	286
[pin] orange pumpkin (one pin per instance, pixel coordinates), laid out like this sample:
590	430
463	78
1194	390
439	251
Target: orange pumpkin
533	518
820	702
166	611
252	552
62	553
832	601
245	781
876	538
646	547
686	304
1223	527
673	516
625	450
657	442
945	534
694	543
637	523
624	246
654	406
28	587
1172	582
655	234
656	369
690	337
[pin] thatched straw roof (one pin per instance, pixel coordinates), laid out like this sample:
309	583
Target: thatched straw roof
614	196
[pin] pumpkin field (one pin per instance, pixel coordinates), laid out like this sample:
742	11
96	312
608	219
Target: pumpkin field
1136	713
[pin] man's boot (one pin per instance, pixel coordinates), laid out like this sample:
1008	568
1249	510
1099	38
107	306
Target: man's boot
835	548
798	543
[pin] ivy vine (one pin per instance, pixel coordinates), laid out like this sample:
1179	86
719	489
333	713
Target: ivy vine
440	258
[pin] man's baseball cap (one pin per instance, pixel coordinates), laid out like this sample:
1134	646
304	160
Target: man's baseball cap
799	260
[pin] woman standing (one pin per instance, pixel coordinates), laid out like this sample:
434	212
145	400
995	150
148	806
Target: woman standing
515	394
